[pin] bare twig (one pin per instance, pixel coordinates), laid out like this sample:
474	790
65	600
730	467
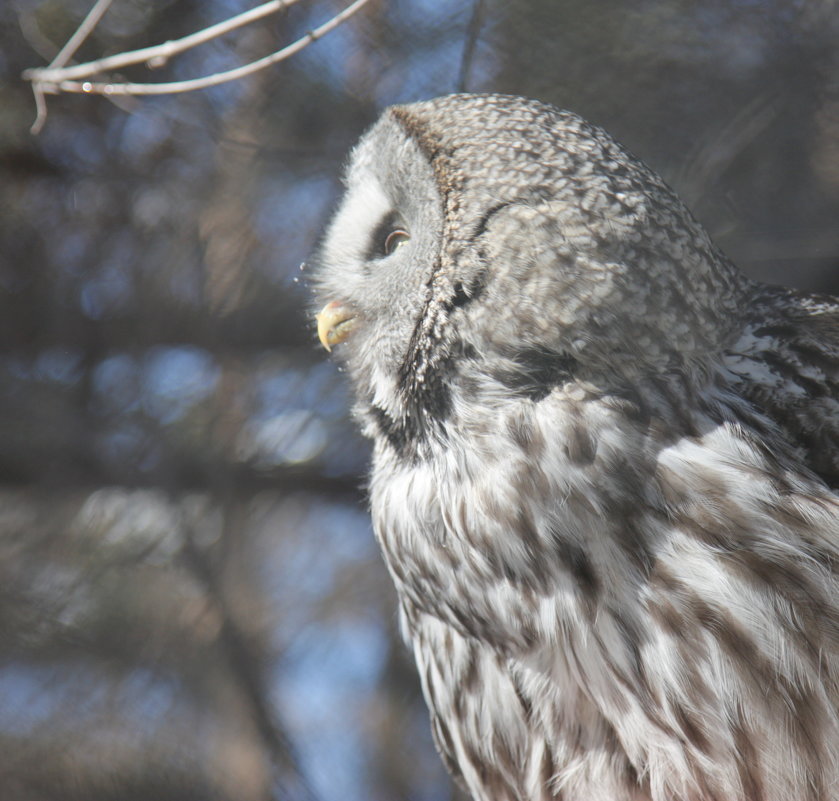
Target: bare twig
155	56
245	663
64	55
54	80
40	110
82	32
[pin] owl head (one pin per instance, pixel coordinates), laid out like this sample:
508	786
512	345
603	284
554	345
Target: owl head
501	242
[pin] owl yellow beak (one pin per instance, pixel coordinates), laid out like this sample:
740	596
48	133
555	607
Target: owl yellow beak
335	323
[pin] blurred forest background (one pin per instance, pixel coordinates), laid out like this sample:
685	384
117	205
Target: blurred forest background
192	605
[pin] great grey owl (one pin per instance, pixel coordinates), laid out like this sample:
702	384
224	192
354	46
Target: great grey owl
605	464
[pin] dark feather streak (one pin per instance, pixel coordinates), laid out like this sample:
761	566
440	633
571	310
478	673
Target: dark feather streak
533	372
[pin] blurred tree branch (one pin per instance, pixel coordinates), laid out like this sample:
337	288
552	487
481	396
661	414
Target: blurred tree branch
473	30
245	661
56	78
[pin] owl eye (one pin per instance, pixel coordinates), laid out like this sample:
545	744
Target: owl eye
394	240
389	234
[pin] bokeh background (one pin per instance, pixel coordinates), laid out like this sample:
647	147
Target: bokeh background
192	605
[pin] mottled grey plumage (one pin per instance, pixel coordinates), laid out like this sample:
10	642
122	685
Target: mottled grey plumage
605	464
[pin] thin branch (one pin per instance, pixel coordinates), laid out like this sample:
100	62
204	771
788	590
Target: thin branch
245	663
157	55
82	32
56	81
40	110
63	56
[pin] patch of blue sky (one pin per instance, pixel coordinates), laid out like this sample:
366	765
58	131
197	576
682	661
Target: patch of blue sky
300	571
139	135
421	73
78	147
317	387
29	695
71	248
175	379
148	696
33	695
299	414
323	688
116	383
141	520
127	443
292	437
59	365
282	202
106	292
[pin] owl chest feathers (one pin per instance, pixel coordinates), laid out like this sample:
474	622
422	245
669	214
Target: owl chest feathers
558	505
508	501
635	567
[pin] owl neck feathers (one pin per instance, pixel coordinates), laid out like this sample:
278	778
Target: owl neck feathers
429	404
